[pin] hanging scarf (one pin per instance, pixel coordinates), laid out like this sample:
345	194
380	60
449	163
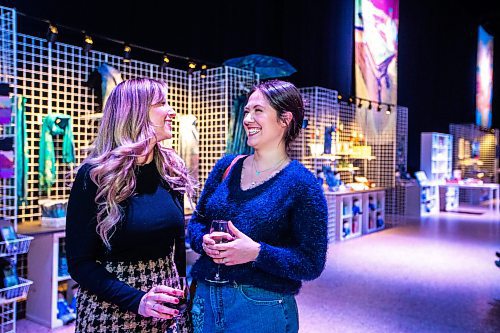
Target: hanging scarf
54	124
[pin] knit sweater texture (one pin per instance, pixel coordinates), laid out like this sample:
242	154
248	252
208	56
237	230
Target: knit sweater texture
287	215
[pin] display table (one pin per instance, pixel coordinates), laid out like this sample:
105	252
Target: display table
351	214
493	189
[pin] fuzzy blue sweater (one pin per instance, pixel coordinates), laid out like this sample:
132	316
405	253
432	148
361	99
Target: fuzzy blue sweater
287	215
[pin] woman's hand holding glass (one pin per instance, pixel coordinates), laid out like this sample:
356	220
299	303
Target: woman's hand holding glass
211	239
240	250
155	302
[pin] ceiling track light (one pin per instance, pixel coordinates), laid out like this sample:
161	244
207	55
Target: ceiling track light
52	33
191	67
388	111
203	73
360	104
126	53
165	61
88	43
370	105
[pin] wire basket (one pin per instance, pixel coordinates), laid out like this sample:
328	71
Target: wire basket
14	293
16	246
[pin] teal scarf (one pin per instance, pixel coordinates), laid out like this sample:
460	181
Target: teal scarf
54	124
22	151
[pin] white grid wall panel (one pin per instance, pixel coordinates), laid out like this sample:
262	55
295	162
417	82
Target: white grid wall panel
349	125
52	78
488	142
321	110
395	198
212	101
8	197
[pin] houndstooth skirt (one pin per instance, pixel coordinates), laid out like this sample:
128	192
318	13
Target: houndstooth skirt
97	316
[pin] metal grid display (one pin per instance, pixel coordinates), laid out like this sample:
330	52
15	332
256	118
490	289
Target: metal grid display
463	137
7	317
487	163
8	198
385	131
396	198
52	78
321	110
8	190
211	100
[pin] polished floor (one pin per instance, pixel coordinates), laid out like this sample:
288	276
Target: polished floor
436	274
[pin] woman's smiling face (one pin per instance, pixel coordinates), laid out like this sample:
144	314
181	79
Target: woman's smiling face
261	123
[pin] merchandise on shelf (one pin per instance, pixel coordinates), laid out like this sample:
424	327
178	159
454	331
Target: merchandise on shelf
8	276
380	220
64	312
371	203
346	230
53	212
356	208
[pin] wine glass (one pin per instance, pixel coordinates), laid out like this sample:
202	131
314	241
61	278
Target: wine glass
217	228
183	300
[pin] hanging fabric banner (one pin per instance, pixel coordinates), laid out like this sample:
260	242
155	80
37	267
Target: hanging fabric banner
484	78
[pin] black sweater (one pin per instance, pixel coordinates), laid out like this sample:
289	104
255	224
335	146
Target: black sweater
152	222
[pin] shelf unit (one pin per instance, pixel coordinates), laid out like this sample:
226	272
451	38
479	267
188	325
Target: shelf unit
429	199
375	212
9	296
352	212
436	155
449	198
48	276
436	160
350	216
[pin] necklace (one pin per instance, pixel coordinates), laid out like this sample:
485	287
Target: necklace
257	172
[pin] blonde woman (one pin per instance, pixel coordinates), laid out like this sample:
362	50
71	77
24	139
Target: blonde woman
125	214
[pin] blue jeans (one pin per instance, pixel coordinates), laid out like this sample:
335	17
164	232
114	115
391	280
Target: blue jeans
230	307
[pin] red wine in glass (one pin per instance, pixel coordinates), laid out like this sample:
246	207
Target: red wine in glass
217	228
183	300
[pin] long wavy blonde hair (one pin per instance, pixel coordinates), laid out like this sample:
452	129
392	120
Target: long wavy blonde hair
124	135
